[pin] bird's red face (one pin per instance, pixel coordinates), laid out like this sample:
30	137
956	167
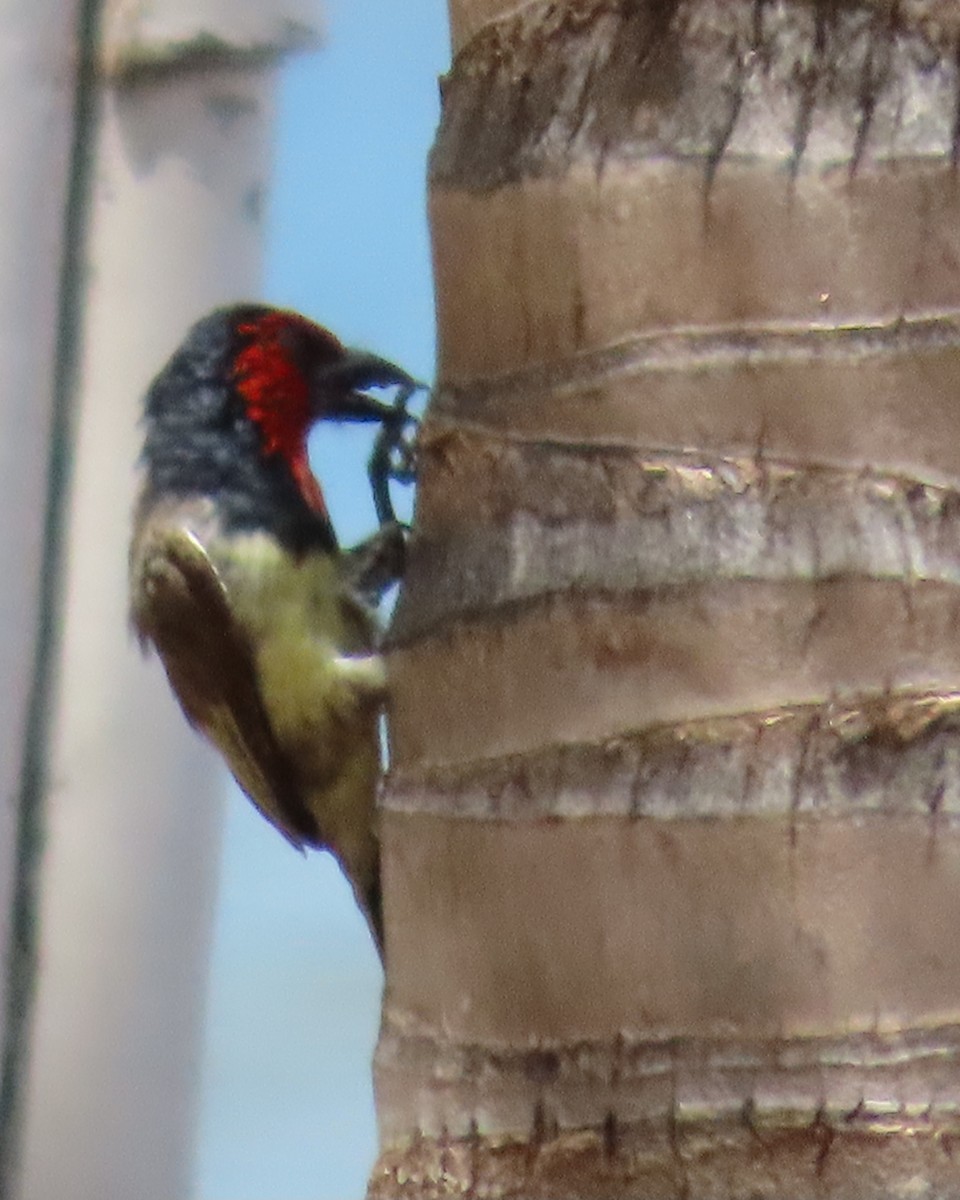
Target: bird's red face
291	372
272	373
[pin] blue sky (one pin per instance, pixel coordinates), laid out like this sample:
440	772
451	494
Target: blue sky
287	1106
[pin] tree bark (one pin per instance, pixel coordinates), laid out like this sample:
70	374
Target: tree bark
671	862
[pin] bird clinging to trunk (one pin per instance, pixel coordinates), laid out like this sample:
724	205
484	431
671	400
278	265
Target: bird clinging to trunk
266	628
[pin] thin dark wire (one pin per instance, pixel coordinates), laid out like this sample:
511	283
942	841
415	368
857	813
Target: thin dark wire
20	969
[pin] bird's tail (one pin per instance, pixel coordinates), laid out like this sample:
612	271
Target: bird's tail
371	902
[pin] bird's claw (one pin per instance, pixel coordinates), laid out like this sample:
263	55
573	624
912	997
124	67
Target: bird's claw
377	563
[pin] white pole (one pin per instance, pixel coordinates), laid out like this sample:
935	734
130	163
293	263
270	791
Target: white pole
37	100
181	158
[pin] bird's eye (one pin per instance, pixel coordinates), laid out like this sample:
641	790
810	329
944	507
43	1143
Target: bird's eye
287	342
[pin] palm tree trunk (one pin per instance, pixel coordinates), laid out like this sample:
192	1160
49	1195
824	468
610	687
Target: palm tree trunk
672	873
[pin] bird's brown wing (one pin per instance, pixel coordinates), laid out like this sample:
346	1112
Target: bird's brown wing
180	606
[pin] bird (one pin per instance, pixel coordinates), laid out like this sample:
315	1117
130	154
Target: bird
266	627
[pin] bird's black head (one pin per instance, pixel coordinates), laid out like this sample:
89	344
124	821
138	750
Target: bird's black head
229	414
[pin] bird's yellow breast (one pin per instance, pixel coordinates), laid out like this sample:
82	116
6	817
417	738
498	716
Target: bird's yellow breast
313	642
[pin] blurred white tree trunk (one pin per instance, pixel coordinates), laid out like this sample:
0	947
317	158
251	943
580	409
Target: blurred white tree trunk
170	165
